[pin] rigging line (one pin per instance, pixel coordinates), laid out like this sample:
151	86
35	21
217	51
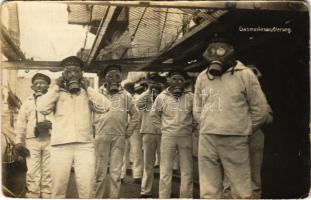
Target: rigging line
135	31
5	189
138	24
170	44
152	27
161	36
9	191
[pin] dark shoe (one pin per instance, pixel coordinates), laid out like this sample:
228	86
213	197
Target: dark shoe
145	196
137	180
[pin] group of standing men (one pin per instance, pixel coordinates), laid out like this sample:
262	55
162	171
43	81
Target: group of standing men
88	129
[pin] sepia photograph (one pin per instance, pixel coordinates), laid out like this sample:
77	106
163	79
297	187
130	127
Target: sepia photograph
155	99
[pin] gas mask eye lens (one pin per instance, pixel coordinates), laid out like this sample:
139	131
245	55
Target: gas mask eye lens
174	80
117	77
211	51
221	51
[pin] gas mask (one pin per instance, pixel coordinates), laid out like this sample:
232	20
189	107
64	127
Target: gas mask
155	88
219	56
113	79
39	87
177	85
72	76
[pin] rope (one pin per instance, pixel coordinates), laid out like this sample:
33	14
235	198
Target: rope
163	28
9	191
135	31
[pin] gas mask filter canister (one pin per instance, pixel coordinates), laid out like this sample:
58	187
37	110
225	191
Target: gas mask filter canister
72	83
73	86
72	74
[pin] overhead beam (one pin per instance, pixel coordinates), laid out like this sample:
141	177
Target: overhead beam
54	66
123	61
249	5
98	65
29	64
130	63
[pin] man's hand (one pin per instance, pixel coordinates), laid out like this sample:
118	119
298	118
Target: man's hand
21	150
60	81
85	83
